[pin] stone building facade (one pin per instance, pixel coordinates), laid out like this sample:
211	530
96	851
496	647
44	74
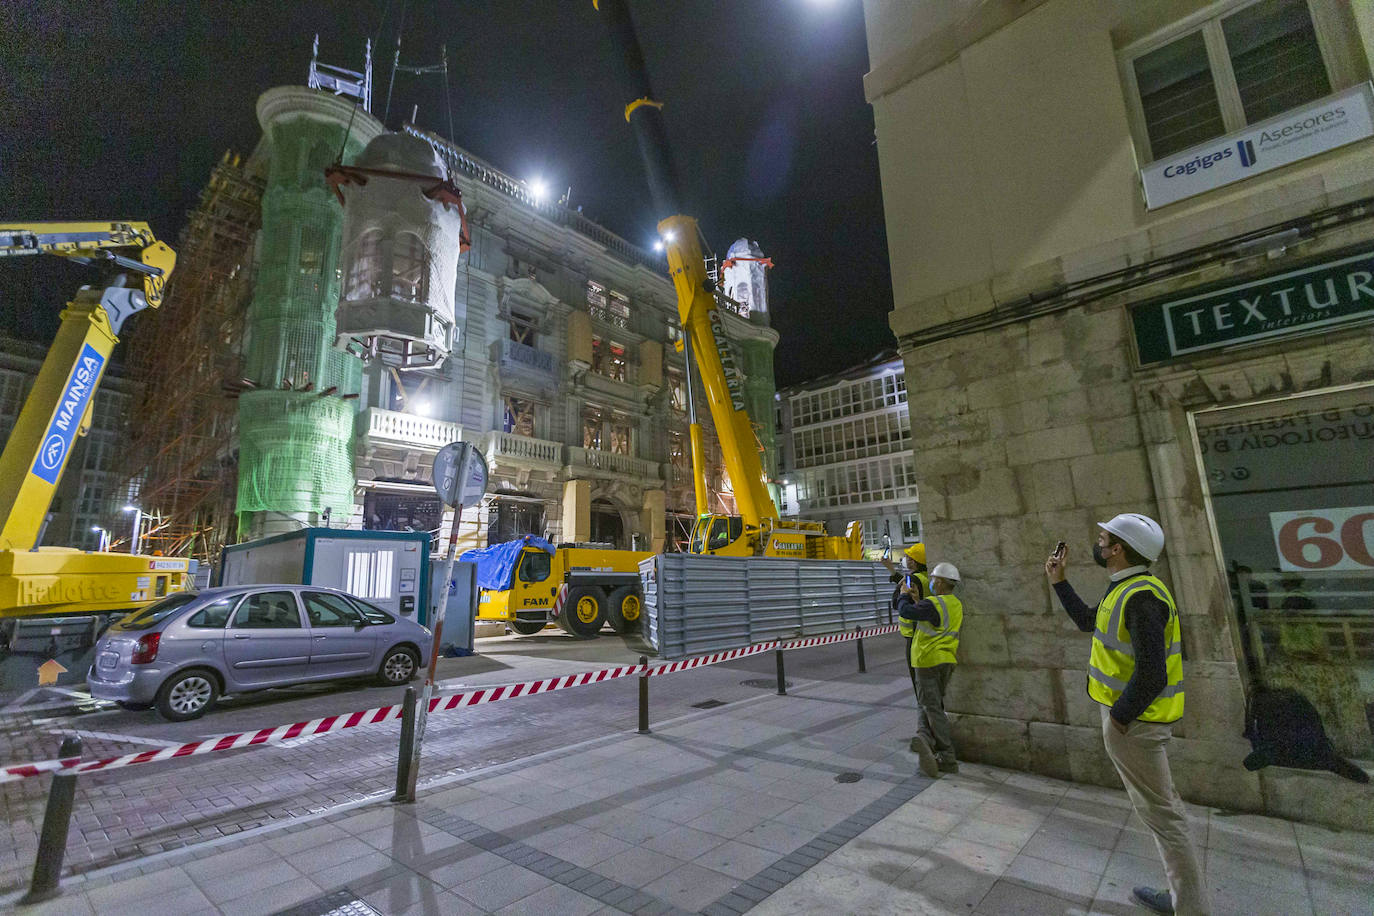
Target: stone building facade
563	370
844	445
1132	251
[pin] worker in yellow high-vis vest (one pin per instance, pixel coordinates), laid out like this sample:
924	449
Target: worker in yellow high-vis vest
912	574
936	620
1135	674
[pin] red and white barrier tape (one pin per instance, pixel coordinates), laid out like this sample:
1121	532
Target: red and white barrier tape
329	724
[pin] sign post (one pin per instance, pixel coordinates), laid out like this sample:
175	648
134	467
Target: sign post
460	478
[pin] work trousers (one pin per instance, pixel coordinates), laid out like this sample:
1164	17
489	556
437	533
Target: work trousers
910	670
1140	759
931	684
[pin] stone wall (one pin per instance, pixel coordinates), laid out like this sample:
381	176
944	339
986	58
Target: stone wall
1035	432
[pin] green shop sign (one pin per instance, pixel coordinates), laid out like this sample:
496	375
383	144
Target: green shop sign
1317	296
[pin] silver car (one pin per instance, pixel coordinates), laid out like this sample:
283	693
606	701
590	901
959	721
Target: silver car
182	653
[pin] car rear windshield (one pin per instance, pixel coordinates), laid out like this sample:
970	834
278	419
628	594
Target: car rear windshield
154	614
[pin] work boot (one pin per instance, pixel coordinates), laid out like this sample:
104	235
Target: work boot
929	765
1151	899
949	766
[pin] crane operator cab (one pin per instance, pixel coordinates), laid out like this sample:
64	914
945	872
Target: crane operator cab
729	536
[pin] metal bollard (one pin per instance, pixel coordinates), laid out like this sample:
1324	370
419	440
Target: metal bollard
404	792
863	668
782	676
643	699
57	818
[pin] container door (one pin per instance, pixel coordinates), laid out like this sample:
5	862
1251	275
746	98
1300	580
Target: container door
266	643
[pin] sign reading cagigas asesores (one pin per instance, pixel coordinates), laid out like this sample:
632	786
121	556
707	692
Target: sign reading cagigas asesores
1326	124
1320	295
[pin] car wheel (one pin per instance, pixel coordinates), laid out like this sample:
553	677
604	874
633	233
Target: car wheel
187	695
133	707
584	611
625	610
527	627
398	666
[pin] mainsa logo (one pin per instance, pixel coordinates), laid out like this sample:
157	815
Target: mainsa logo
1247	153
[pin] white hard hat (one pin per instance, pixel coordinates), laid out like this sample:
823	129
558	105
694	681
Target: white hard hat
945	571
1140	531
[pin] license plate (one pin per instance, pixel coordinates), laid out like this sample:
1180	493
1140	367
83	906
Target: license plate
109	659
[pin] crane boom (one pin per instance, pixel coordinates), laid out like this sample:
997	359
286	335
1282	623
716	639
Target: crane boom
58	408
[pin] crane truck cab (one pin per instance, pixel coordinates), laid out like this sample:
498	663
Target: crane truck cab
730	536
519	583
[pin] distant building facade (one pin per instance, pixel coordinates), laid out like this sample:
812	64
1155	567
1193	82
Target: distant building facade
88	493
1132	258
845	452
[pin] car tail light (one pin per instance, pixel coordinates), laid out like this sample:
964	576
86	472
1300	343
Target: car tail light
145	650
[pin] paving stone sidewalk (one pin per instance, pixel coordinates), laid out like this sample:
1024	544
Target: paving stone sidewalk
806	803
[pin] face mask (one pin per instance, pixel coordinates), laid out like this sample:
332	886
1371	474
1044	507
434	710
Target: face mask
1098	557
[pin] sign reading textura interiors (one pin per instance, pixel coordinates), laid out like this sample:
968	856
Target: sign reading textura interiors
1316	296
1334	121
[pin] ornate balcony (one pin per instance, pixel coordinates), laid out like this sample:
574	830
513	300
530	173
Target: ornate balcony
391	427
522	451
609	464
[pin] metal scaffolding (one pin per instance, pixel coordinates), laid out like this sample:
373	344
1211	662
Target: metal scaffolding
181	464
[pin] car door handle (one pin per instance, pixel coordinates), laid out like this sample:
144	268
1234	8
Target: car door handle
321	637
242	636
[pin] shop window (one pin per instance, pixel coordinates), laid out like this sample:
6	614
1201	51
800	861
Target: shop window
518	417
364	280
1291	497
1247	65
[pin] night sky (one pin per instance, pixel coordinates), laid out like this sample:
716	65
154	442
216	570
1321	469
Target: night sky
119	110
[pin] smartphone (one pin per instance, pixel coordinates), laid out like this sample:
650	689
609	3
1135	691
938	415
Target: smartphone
910	581
1059	550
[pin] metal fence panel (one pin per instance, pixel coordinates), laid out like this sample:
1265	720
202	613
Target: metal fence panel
697	604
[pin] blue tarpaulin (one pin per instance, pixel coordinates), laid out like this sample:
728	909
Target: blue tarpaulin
496	564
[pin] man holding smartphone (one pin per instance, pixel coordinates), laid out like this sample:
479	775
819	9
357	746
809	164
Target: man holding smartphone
912	576
935	620
1135	674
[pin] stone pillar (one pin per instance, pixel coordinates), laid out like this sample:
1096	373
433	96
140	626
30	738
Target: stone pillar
577	511
296	446
652	518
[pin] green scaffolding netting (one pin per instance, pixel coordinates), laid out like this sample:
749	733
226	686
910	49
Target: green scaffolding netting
295	453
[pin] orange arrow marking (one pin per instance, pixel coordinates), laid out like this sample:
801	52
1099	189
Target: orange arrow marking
48	672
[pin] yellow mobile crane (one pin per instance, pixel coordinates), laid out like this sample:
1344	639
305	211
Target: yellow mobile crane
55	600
757	530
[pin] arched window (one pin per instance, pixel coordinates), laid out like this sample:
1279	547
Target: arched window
410	268
364	279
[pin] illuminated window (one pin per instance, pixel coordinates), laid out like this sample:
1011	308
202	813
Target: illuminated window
364	279
608	306
677	389
677	450
608	359
620	435
592	427
410	268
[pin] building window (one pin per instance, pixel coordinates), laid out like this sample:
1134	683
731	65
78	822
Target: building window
674	330
410	268
608	306
677	389
620	435
677	453
608	359
911	527
365	271
522	328
592	424
311	259
1239	68
519	417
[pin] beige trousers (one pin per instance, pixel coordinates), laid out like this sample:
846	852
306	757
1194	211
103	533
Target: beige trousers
1139	756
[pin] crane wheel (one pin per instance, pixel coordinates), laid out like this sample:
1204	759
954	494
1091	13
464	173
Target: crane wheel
625	610
584	611
526	627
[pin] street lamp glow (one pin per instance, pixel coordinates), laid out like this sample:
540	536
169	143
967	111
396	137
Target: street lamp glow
96	528
131	508
670	236
539	189
422	408
658	244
